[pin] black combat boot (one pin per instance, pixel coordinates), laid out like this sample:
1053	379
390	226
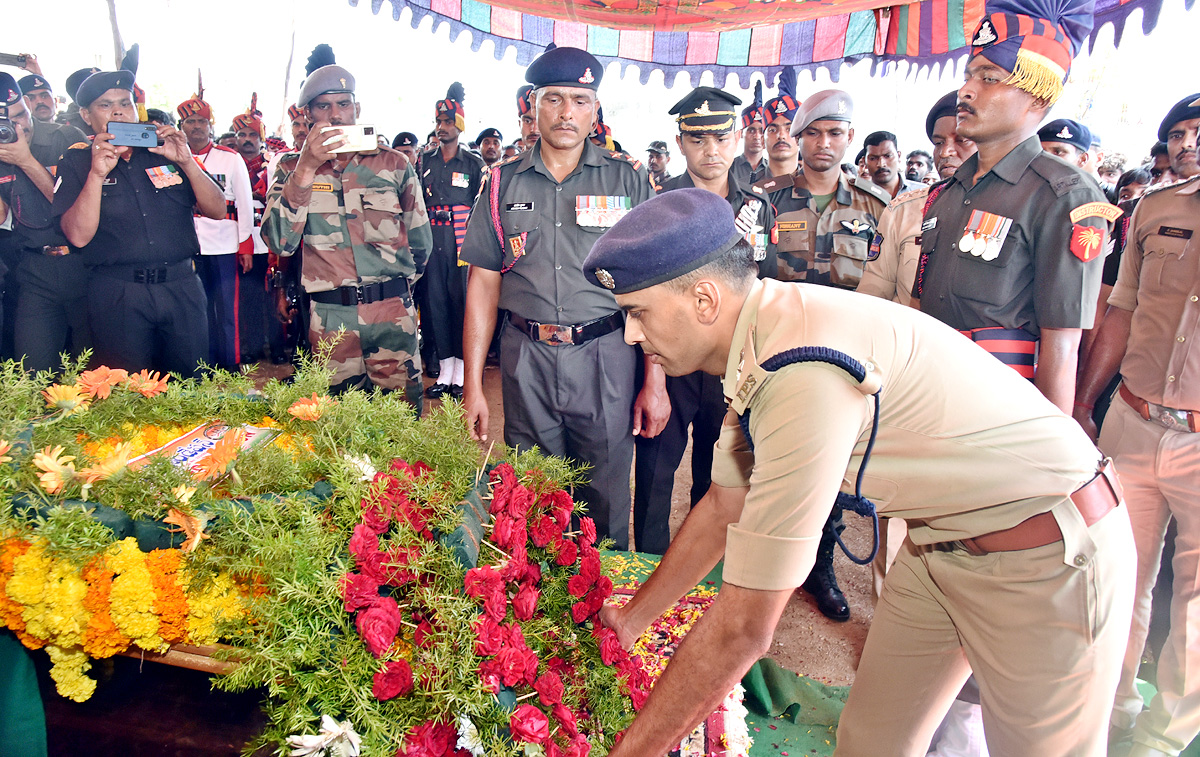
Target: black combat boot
822	583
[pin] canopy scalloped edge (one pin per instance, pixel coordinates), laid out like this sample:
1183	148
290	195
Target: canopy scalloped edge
1112	12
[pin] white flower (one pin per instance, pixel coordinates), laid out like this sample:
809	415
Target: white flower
335	740
468	736
364	466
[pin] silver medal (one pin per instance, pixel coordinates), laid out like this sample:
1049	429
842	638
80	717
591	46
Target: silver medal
967	241
993	250
980	245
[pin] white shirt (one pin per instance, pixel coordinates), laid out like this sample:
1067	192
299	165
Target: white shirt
222	236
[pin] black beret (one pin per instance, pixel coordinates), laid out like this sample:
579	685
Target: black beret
945	107
75	79
664	238
1067	131
565	67
99	83
10	93
1184	110
33	82
492	132
405	139
706	110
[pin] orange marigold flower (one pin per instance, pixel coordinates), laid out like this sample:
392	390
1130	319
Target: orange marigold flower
68	398
110	466
222	455
57	468
5	448
170	602
191	526
101	638
309	408
99	383
146	383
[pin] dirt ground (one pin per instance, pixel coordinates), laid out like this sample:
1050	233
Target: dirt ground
805	641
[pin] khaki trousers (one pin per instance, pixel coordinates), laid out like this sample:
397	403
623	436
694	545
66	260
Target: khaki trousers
1043	630
1160	471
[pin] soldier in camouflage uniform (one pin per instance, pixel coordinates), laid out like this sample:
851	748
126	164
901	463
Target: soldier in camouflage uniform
366	237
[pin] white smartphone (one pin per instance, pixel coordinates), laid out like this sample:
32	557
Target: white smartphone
360	138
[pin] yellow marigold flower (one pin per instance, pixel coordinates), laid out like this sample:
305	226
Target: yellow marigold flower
99	383
222	455
131	601
68	673
30	569
310	408
147	384
57	468
110	466
5	448
68	398
218	602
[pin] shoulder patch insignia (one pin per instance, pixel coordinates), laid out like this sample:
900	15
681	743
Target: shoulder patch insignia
1103	210
1087	243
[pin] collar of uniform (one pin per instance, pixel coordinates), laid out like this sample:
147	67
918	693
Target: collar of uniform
1190	187
842	194
1009	168
742	335
591	156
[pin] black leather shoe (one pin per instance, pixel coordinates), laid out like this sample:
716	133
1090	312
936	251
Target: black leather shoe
456	392
436	391
822	585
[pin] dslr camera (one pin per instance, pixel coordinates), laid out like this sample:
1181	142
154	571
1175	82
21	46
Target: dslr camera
8	130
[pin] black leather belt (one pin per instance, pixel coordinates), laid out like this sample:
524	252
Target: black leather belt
155	275
363	294
557	335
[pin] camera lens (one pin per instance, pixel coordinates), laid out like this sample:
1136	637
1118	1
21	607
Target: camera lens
8	132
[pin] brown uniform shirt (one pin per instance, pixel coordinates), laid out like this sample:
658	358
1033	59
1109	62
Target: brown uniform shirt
897	249
1160	282
965	445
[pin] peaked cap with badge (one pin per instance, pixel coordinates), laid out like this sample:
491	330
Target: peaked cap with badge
565	67
1034	40
10	92
1184	110
325	77
785	104
1067	131
33	83
826	105
945	107
667	236
453	104
706	110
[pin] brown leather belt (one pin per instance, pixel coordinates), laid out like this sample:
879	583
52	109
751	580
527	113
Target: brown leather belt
1185	418
557	335
1093	500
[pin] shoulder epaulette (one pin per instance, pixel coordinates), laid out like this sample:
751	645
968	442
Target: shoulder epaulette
625	157
1060	175
1169	185
910	195
876	191
771	184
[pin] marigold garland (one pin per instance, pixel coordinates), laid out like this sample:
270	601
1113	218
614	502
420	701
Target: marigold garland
132	597
169	600
102	638
70	665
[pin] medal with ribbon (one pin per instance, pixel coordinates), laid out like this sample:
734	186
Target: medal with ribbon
984	235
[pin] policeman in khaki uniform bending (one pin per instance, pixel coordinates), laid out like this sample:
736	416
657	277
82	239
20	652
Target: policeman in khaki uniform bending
1018	564
1151	430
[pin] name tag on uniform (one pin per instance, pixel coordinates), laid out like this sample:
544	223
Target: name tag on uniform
601	210
793	225
929	224
322	187
519	206
460	179
8	178
109	181
1174	232
164	176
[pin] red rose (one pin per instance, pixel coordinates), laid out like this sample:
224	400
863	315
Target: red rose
488	637
579	612
358	591
587	527
502	529
610	646
489	673
395	680
495	604
514	569
371	564
401	466
566	718
429	740
567	552
480	581
578	585
511	662
363	541
533	574
545	530
525	602
378	625
513	636
561	507
578	746
393	565
519	502
407	511
589	564
528	723
374	518
423	636
549	688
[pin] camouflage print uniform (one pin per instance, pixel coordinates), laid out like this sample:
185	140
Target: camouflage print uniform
830	248
361	223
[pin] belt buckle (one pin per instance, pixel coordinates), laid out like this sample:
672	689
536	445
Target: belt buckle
554	334
353	299
1172	418
56	251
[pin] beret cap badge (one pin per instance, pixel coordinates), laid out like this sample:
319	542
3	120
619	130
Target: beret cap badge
587	77
985	36
605	278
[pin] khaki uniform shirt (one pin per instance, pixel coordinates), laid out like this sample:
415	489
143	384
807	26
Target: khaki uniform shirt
1160	282
965	445
830	248
891	273
549	228
361	223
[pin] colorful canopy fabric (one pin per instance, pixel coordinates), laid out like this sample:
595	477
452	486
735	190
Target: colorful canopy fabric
754	35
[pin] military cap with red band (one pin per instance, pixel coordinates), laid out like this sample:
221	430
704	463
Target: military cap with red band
753	113
524	105
785	104
453	105
251	119
194	107
1034	40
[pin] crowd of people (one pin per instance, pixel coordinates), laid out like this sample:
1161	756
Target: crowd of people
1069	266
